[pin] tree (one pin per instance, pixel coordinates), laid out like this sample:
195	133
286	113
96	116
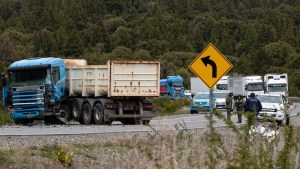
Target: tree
278	52
122	37
121	52
142	54
7	49
44	43
112	24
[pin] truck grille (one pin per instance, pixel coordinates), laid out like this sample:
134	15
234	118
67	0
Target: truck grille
268	110
28	100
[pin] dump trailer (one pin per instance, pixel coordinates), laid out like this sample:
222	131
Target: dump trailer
58	91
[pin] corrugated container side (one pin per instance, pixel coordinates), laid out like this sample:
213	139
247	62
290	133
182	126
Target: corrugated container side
134	78
91	80
117	78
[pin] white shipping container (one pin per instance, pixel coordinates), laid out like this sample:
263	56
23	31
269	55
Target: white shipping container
237	85
116	78
197	85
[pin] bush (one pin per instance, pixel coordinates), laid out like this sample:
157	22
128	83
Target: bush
167	106
5	118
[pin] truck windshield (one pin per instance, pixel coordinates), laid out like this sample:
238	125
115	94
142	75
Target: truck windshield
277	88
177	84
222	86
255	87
29	77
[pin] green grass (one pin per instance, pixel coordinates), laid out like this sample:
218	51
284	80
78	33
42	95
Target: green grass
167	106
5	118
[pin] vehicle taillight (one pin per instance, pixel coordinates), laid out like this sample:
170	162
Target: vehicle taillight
111	106
147	106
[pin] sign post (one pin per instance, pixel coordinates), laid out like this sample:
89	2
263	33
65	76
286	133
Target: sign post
210	66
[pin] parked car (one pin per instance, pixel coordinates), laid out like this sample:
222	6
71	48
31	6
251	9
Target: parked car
200	102
272	106
220	99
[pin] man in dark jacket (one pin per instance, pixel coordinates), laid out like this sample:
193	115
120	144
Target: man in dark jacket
252	104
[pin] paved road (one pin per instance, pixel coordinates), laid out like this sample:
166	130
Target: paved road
188	121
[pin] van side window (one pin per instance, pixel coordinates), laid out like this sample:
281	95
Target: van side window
56	74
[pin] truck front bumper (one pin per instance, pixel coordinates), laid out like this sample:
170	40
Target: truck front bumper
270	115
24	115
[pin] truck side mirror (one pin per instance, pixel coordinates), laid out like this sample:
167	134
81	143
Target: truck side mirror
3	79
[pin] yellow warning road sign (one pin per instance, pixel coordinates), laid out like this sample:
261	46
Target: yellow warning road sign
210	65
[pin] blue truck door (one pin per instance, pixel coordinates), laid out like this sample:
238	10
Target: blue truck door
59	82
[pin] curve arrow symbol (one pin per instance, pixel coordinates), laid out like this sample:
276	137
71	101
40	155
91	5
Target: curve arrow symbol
206	61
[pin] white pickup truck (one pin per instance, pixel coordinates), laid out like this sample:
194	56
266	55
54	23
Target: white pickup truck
273	107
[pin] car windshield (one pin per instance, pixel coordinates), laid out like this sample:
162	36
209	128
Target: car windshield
222	86
270	99
29	77
220	95
201	96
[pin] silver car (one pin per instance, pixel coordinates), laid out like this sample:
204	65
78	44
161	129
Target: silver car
221	99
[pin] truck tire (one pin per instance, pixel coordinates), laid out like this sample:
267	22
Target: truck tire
86	114
146	122
194	112
76	110
98	114
65	112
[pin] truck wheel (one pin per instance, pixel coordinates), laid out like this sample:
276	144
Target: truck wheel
98	114
146	122
76	110
65	112
86	114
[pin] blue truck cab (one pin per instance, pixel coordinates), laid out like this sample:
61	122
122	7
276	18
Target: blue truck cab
172	87
34	89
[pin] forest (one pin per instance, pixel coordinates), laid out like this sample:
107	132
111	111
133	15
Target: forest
257	36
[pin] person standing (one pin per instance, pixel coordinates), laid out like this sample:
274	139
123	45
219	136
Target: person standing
253	104
239	104
229	104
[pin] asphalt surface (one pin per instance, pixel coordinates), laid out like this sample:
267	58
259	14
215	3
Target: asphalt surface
184	121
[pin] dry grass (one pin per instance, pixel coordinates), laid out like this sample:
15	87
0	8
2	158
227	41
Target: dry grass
180	149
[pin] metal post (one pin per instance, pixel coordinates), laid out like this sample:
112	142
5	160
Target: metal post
210	101
210	122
